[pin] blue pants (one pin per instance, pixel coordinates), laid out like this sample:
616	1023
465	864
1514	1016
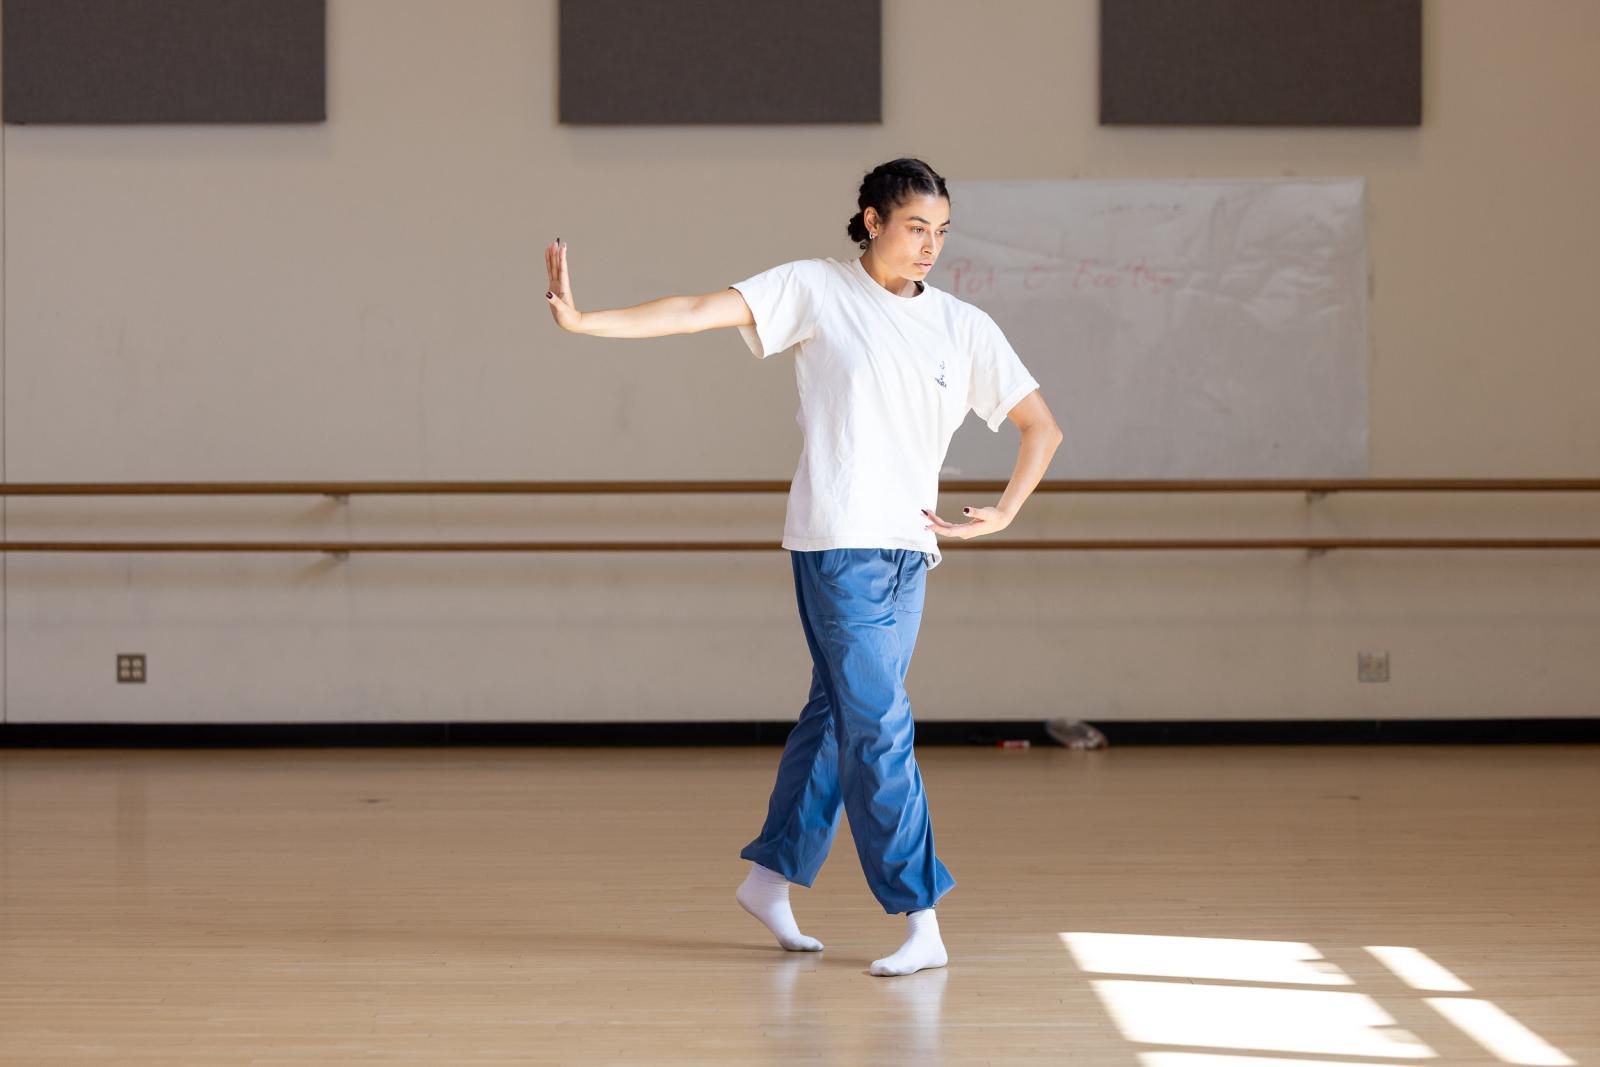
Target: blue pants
851	748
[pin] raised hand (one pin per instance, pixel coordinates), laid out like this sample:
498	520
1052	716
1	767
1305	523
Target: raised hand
984	521
559	297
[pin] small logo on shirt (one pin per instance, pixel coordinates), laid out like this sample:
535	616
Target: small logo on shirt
940	378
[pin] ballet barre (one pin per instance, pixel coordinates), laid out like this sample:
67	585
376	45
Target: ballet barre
341	491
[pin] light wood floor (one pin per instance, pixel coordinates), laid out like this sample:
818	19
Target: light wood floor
1158	907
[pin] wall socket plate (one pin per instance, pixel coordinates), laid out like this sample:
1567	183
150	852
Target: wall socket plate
130	666
1372	666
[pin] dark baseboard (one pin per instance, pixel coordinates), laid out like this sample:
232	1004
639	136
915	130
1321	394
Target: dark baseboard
661	734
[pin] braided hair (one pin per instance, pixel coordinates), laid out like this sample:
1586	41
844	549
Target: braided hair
887	186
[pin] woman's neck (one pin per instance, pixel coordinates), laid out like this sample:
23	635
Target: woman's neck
894	283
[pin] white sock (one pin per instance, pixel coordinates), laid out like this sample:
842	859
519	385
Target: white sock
765	894
923	948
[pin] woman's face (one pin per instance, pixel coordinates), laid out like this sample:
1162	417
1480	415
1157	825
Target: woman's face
910	240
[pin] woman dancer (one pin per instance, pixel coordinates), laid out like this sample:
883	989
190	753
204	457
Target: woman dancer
887	368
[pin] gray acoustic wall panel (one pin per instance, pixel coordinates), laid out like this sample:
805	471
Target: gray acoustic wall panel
716	61
109	61
1261	62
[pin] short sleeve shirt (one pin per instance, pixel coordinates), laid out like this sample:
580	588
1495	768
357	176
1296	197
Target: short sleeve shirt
884	382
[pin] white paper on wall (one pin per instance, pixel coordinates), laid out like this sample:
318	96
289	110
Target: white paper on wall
1178	328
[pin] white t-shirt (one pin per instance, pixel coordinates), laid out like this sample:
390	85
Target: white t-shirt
884	381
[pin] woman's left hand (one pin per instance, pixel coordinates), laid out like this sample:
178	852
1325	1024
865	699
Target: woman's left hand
984	521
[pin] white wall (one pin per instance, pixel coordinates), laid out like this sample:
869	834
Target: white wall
364	299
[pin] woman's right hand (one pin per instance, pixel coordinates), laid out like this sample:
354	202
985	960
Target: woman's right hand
559	296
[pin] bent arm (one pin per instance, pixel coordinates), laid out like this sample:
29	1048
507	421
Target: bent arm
670	315
1040	439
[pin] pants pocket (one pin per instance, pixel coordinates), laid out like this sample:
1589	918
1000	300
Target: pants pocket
913	583
851	583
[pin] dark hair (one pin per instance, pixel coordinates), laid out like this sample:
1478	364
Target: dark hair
887	186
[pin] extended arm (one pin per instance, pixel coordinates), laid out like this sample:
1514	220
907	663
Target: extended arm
654	318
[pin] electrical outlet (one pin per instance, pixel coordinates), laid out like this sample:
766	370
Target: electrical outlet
1372	666
130	666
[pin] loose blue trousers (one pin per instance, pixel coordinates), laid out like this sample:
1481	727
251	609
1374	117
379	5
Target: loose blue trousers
861	609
